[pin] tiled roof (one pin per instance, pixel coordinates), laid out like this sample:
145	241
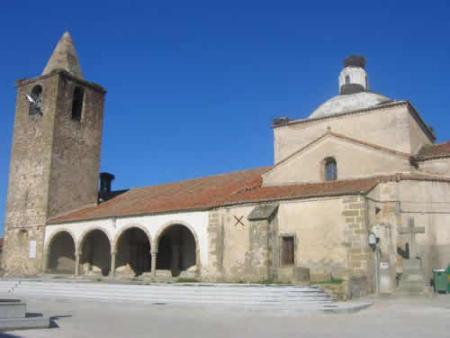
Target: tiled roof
434	151
201	193
221	190
206	193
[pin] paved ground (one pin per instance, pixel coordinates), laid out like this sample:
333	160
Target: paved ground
393	317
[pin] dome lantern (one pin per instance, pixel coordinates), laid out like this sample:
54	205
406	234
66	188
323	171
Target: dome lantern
353	78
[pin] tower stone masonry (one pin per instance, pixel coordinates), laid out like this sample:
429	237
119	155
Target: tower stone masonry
55	155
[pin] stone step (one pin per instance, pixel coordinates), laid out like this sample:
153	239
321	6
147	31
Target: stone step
179	289
171	296
83	284
287	297
185	291
414	278
192	302
171	285
167	296
12	308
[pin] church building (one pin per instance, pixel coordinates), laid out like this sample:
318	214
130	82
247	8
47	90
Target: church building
358	190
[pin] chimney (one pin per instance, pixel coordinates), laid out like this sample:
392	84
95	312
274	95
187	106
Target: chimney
105	183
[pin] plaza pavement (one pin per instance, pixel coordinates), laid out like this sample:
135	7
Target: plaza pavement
387	317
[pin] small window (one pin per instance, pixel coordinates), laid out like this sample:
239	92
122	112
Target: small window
330	169
22	236
35	101
77	103
287	250
347	79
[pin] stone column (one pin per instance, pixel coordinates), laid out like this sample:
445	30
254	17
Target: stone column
154	255
112	271
77	263
175	264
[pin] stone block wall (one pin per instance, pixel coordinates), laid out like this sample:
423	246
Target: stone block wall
239	250
359	252
214	270
54	164
30	163
257	259
16	260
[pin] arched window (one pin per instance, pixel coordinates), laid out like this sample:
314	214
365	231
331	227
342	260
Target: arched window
35	101
330	169
347	79
77	103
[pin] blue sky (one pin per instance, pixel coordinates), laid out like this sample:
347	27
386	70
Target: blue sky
193	85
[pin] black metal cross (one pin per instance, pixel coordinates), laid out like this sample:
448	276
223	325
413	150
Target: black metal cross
239	221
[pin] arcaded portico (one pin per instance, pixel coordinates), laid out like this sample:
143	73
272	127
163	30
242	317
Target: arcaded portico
122	249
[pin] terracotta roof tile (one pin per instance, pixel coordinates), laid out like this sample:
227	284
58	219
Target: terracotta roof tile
434	151
201	193
221	190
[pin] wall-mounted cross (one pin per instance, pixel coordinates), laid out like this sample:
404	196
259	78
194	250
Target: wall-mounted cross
411	230
239	221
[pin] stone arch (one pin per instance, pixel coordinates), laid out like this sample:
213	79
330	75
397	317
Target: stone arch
95	252
90	229
61	250
178	248
132	247
125	228
167	225
35	100
52	236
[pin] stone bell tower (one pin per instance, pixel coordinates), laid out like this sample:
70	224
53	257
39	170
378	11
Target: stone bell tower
55	155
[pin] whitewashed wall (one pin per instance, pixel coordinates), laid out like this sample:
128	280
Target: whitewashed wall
153	225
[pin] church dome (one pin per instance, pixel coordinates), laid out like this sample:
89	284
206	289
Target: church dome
349	102
353	89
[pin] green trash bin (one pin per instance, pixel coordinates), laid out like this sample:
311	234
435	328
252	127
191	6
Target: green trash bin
440	279
448	279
